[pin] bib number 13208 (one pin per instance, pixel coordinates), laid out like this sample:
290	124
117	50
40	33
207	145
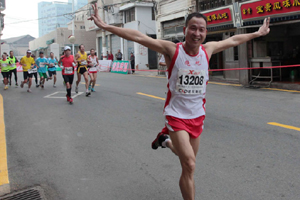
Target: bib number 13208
190	81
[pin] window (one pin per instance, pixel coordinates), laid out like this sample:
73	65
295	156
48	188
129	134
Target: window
82	27
208	4
153	13
130	15
236	53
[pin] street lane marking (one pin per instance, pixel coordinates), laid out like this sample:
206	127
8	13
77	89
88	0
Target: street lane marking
284	126
217	83
281	90
51	96
3	154
152	96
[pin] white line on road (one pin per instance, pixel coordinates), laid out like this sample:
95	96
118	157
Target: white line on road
51	96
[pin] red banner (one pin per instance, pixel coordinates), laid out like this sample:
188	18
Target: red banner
268	8
220	16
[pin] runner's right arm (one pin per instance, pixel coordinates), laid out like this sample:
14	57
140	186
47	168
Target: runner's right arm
165	47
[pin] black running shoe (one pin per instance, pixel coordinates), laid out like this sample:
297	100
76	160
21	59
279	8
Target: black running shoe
159	140
87	94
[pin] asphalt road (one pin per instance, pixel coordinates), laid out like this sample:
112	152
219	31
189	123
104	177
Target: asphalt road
100	147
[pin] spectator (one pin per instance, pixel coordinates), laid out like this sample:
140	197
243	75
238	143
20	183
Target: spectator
119	55
132	58
110	56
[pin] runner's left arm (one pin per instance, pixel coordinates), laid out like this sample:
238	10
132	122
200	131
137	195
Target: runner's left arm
215	47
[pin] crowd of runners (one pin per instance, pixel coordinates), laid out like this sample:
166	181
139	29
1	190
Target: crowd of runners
81	63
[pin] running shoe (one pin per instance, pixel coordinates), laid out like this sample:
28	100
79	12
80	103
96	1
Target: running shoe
29	90
42	86
54	85
76	89
90	87
93	90
37	85
71	100
87	94
161	137
22	84
17	84
68	98
6	87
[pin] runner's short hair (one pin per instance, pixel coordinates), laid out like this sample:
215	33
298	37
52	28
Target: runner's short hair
92	49
194	14
80	46
11	51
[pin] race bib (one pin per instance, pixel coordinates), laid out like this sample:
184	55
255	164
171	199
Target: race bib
190	81
4	65
30	71
68	70
42	64
93	69
84	63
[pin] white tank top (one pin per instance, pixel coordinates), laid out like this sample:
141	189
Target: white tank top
188	77
93	60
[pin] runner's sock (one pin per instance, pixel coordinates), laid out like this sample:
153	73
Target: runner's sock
164	143
69	92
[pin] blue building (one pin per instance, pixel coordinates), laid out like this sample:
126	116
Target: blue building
52	14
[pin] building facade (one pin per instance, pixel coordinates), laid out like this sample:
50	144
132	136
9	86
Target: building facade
56	14
17	44
138	15
59	37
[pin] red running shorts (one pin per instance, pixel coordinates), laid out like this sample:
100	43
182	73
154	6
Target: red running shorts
193	126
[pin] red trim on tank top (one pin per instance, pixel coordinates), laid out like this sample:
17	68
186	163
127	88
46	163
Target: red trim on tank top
170	73
173	60
190	54
205	54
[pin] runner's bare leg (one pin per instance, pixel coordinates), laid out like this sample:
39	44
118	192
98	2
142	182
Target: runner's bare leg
182	146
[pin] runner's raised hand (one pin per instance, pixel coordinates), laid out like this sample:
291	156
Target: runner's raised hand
264	29
96	17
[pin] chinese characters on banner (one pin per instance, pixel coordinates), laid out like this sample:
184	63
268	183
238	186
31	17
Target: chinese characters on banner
269	7
219	16
120	67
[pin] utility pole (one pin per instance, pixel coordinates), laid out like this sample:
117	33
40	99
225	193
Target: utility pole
73	27
104	49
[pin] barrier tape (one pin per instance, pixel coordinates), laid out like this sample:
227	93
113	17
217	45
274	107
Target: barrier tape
211	70
215	70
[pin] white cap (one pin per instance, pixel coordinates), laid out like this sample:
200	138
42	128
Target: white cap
67	48
28	51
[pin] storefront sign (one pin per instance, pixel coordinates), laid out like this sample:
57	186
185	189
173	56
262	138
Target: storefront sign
268	8
220	16
120	67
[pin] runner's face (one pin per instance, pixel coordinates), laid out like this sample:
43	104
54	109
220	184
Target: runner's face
51	55
92	52
68	52
11	54
82	48
195	32
3	56
28	54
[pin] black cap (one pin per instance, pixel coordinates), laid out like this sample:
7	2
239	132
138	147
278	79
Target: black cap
41	52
